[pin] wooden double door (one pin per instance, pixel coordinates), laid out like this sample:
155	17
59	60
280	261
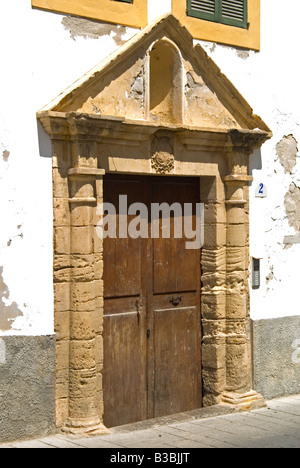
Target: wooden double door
152	323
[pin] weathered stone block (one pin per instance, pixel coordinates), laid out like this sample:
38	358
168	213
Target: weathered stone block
82	267
235	259
61	268
82	240
236	306
82	214
62	411
82	383
82	325
213	355
214	236
61	213
62	383
235	214
61	296
62	325
60	183
214	381
213	260
83	296
61	241
213	282
213	306
62	354
236	235
82	354
82	408
214	213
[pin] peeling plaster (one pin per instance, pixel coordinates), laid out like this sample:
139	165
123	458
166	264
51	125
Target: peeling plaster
5	155
243	54
292	206
82	27
138	88
287	151
8	312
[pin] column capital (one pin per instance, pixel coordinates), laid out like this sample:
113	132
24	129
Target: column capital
246	141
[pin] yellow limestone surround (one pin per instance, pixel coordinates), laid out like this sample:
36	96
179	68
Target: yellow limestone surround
109	122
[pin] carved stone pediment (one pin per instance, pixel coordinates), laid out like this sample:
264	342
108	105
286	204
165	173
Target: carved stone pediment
159	77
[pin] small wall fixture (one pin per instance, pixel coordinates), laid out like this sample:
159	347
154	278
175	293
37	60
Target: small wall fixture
255	273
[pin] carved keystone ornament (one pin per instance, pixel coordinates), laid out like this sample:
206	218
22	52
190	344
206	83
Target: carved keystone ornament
162	160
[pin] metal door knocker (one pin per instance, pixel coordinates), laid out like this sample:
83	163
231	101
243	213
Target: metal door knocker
175	300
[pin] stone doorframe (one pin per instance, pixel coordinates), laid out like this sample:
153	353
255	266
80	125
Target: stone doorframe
84	148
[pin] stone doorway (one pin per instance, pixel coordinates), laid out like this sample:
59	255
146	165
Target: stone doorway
108	123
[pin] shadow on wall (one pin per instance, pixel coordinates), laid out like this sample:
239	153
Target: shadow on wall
255	161
45	144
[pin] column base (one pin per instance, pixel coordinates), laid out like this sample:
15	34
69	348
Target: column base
243	401
85	427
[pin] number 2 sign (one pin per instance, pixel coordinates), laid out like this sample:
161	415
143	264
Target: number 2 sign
261	191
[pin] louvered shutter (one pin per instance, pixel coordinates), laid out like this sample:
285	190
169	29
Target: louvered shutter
205	9
234	12
125	1
231	12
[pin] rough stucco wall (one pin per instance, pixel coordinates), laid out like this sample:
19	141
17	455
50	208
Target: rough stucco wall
276	356
27	387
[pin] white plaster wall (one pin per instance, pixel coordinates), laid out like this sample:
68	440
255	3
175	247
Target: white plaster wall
39	59
157	8
269	80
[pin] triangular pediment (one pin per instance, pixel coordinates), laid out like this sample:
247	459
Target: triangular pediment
160	77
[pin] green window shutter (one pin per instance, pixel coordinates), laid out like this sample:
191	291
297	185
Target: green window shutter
204	9
124	1
234	13
230	12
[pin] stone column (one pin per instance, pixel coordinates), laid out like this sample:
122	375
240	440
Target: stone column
238	359
213	290
85	409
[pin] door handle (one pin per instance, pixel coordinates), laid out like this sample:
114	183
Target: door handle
175	300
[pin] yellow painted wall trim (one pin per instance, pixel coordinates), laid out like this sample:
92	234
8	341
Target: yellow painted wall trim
221	33
128	14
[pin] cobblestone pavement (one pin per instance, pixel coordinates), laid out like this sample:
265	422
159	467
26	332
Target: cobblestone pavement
276	426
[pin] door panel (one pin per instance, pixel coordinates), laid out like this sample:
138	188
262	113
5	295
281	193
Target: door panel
176	371
174	304
174	267
125	397
122	271
152	326
124	373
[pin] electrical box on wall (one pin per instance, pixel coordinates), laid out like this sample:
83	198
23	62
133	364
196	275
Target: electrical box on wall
255	273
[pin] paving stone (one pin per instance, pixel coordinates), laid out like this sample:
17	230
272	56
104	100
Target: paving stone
196	440
215	436
277	426
31	444
60	442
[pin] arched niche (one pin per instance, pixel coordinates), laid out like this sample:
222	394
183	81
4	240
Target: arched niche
165	82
